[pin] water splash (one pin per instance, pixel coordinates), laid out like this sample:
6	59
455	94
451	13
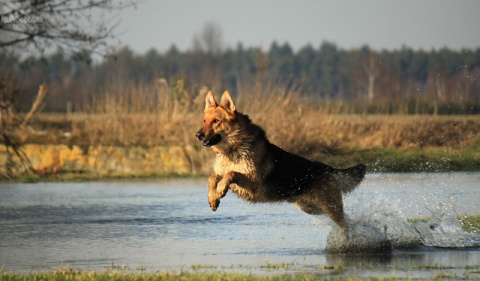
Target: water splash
380	225
361	239
445	230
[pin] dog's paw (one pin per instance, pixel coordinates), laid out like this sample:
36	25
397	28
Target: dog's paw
213	199
214	204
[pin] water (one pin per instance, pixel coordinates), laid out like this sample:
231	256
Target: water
168	225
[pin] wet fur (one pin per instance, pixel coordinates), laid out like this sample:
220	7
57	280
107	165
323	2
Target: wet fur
259	171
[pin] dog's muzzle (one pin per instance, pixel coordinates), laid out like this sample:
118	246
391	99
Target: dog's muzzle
208	141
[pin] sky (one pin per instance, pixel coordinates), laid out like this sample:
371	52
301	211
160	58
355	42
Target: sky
380	24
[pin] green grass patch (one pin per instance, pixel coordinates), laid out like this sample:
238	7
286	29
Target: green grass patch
282	265
86	177
469	223
276	272
377	160
417	220
73	275
414	160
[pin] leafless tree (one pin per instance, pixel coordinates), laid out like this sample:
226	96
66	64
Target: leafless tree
209	40
207	46
28	26
43	24
370	65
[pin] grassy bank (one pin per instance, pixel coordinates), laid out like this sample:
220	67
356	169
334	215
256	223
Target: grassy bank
414	160
276	271
469	223
88	276
186	276
153	117
113	276
377	160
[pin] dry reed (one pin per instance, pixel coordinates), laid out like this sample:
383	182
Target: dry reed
149	115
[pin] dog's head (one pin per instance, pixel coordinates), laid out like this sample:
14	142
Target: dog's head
217	120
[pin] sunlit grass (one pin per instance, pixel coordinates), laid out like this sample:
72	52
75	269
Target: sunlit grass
147	116
276	271
89	177
469	223
186	276
152	116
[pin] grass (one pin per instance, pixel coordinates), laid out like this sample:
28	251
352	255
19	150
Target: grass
413	160
114	276
276	272
148	116
86	177
276	266
469	223
377	160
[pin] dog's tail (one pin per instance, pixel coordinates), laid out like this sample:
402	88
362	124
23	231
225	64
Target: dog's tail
348	179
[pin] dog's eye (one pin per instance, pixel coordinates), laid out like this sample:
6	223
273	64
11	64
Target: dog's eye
215	121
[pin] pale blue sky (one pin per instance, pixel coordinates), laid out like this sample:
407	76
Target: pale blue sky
381	24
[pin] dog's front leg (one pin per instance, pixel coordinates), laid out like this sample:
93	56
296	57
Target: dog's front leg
213	198
224	184
239	183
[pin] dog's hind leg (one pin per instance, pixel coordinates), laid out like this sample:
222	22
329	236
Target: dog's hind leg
319	207
308	207
332	204
323	199
337	215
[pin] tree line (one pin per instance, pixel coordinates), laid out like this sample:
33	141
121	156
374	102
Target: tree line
442	81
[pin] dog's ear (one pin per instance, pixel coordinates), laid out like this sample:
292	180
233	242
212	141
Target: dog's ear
210	101
227	102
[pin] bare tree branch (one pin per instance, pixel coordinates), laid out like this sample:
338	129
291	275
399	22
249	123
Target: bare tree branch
38	25
73	25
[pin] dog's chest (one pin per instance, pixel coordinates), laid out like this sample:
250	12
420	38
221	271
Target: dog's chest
244	165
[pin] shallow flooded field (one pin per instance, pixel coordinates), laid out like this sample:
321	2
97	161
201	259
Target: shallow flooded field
168	226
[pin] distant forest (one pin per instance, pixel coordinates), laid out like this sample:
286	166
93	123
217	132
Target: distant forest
447	80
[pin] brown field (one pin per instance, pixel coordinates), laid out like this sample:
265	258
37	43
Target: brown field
295	123
318	130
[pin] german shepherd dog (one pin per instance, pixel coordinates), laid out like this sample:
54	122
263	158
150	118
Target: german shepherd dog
259	171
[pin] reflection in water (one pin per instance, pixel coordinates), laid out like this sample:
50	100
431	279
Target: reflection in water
167	224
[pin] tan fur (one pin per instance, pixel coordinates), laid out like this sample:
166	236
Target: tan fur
258	171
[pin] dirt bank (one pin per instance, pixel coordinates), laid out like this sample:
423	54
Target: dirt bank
102	160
